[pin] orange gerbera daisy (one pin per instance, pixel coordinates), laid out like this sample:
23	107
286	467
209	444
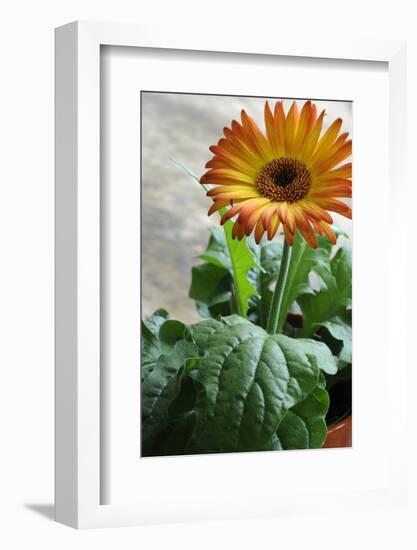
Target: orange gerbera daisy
290	176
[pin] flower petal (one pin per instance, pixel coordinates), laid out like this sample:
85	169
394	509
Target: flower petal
288	235
279	125
316	212
309	236
335	206
344	171
238	231
225	175
328	138
259	231
291	128
216	206
328	231
311	141
249	207
254	218
273	226
270	128
302	130
341	154
267	214
231	212
256	137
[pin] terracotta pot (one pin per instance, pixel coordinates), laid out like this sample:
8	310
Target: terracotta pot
339	434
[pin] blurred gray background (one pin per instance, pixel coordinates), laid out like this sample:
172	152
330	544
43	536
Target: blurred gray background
181	127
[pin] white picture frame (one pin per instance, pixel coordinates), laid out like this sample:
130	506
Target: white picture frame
78	320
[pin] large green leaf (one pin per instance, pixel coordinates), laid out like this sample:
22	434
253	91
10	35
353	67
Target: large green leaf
334	296
304	426
226	385
249	379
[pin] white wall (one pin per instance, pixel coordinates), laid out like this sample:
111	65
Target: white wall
26	274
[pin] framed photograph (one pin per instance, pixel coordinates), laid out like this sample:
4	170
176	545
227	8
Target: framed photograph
227	312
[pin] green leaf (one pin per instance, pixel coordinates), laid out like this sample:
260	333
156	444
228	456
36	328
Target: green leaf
159	334
340	329
161	386
318	353
150	343
173	434
210	287
249	379
304	426
171	332
225	276
339	387
335	294
215	296
217	252
153	322
270	253
237	258
303	260
242	261
322	381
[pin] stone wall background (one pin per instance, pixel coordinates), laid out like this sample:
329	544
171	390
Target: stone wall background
175	224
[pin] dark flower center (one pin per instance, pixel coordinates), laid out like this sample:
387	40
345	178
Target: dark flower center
284	179
285	176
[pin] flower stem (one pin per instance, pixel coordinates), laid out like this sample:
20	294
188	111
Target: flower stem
277	298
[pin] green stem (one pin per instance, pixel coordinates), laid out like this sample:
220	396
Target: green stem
276	304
